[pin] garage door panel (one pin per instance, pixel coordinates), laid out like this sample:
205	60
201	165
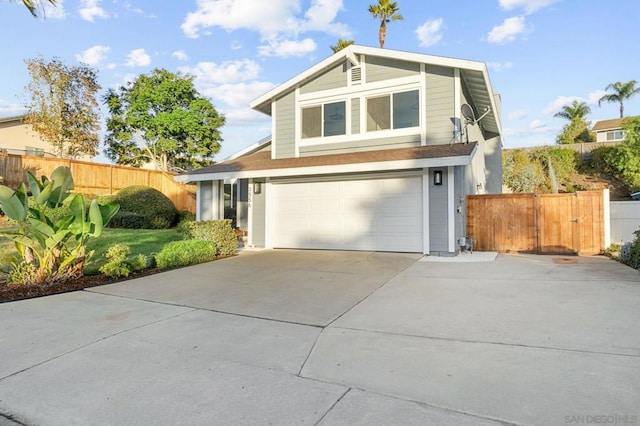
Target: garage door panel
379	215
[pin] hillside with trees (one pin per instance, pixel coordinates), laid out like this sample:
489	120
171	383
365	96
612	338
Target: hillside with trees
561	169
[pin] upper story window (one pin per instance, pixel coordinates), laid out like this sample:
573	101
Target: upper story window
397	111
614	135
324	120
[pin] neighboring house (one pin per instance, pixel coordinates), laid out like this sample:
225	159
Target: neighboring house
368	152
17	137
609	130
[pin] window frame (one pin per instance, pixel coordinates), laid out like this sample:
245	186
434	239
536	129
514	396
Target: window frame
391	117
323	106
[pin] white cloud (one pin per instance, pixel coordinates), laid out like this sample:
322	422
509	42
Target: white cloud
50	11
287	48
94	55
138	58
536	124
430	33
180	55
90	9
517	114
236	45
8	109
499	66
507	31
224	73
536	127
557	104
594	97
320	17
239	95
529	6
270	19
244	116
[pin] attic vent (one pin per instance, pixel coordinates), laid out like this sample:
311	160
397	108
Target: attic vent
356	75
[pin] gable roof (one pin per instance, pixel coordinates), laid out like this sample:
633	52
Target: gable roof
474	73
13	118
612	124
262	143
260	164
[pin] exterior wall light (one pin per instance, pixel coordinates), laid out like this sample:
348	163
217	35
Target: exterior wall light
437	177
257	187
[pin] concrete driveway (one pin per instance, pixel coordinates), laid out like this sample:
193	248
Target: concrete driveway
332	338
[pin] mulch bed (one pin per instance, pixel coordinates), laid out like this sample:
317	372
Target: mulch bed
10	293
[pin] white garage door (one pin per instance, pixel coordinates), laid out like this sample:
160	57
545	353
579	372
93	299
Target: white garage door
371	214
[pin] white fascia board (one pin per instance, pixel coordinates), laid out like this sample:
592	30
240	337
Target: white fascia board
492	99
353	50
461	160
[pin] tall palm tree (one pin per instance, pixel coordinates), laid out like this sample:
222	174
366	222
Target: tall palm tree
341	45
386	11
34	5
578	110
621	92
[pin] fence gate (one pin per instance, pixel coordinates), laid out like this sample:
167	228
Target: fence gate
537	223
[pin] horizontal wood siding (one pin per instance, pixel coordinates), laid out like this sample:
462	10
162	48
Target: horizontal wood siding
379	69
438	214
355	116
334	78
285	130
361	145
96	178
440	105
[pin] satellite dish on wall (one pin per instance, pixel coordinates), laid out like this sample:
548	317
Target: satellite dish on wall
468	114
470	117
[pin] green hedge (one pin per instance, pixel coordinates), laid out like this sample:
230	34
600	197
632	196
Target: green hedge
138	201
219	232
184	253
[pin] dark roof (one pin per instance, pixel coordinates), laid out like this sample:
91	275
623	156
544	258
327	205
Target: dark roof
262	160
13	118
614	123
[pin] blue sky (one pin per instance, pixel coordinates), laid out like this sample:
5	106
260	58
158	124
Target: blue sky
541	54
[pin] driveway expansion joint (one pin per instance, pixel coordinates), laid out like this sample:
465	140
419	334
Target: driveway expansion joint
336	402
488	342
102	339
11	419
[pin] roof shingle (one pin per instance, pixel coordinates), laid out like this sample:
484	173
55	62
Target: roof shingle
263	161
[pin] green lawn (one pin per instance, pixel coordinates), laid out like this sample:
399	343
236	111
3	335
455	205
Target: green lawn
141	241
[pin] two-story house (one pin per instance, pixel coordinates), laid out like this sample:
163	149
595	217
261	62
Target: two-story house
370	150
17	137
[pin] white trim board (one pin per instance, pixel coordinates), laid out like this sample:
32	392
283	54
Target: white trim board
461	160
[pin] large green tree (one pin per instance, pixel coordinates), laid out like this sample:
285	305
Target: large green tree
577	130
341	44
161	118
621	92
386	11
63	106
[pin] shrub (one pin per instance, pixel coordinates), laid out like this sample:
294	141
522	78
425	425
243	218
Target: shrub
184	253
230	213
184	218
155	208
219	232
119	265
630	253
128	220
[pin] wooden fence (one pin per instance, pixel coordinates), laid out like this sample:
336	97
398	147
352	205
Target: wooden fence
99	179
537	223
